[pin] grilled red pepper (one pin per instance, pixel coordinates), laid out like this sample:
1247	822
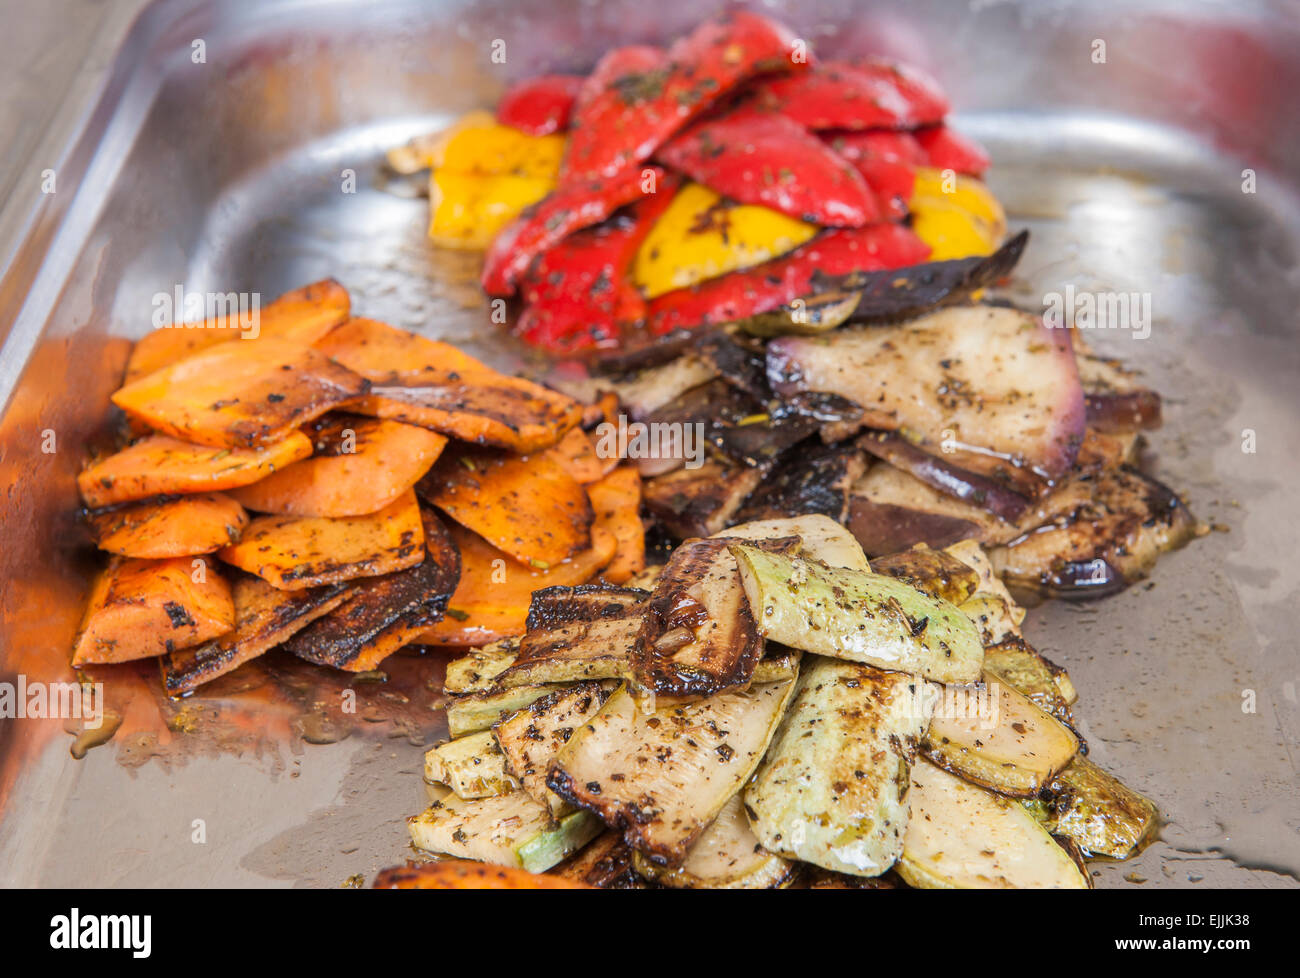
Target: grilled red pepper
540	106
947	149
632	105
568	209
578	294
782	280
872	95
887	161
764	158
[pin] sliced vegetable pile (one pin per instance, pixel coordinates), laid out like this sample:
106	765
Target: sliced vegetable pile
717	179
339	488
770	709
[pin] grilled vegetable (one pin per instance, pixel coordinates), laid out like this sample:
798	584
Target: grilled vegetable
891	510
605	863
579	294
960	221
726	856
248	394
1047	685
936	572
820	538
477	670
530	738
159	466
697	635
637	98
858	616
1116	401
646	391
540	106
507	830
571	207
468	210
780	281
421	381
478	711
463	874
869	95
527	506
1098	812
170	528
491	601
816	481
360	466
947	149
384	613
1014	748
759	158
832	789
265	616
140	608
662	777
616	501
577	455
702	235
472	767
297	552
701	501
303	315
595	647
960	836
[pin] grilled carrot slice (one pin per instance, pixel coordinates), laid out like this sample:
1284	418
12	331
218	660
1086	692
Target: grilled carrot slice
299	552
463	874
616	500
264	617
526	505
360	466
240	395
140	608
303	315
576	453
492	598
432	384
161	466
170	528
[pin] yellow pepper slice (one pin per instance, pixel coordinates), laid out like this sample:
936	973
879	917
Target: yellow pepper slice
468	210
701	236
962	221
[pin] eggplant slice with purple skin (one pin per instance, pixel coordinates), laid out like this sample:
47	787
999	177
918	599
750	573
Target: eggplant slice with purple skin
698	636
811	478
408	598
991	388
701	501
1104	544
1116	402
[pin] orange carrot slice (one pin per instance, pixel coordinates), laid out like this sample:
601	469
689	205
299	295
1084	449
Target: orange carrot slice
616	500
170	528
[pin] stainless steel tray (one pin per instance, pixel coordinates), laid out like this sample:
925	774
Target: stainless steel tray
228	175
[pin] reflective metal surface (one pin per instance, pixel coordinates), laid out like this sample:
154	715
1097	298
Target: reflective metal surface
231	173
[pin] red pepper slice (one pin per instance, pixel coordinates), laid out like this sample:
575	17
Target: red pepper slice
872	95
947	149
540	106
780	281
625	115
568	209
763	158
887	161
578	294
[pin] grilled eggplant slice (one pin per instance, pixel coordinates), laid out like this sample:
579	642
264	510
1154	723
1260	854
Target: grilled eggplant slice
645	392
383	613
816	479
832	789
530	738
1104	544
477	670
1015	416
1020	667
726	856
701	501
820	538
1098	812
478	711
1014	748
1116	401
506	830
472	767
860	617
697	635
960	836
662	777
